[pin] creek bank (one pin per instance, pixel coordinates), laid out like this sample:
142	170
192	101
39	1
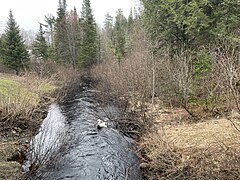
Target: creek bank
28	99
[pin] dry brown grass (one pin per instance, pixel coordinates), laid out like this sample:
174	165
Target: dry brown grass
20	98
204	150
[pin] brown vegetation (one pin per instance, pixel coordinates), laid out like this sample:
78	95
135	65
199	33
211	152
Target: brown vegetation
179	150
24	102
184	102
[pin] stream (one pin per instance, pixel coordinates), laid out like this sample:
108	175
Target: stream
69	145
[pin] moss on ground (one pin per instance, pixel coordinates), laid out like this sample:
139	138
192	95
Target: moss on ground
9	170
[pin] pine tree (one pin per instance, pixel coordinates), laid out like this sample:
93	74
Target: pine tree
120	29
40	47
108	26
73	36
50	20
60	36
107	47
190	24
15	54
88	46
130	20
129	34
1	37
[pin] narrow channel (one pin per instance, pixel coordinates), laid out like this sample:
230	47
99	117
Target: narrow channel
70	146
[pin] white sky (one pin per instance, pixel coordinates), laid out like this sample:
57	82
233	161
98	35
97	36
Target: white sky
29	12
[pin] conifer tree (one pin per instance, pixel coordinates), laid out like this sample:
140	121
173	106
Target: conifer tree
88	46
15	54
1	37
60	36
130	20
120	29
40	47
73	36
107	38
50	20
190	24
108	26
129	33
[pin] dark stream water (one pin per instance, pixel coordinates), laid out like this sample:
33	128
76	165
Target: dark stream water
76	149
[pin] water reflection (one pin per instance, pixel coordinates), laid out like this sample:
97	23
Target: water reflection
91	153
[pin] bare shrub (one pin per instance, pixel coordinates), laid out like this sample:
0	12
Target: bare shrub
130	81
43	68
227	61
24	100
179	75
132	77
166	155
19	100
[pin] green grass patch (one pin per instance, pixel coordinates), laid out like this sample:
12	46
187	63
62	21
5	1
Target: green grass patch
11	91
47	88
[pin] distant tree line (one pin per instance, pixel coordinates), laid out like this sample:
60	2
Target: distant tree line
72	40
69	39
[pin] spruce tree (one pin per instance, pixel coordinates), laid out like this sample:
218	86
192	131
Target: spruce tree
107	39
73	36
15	54
190	24
120	29
1	37
60	36
88	45
108	26
40	47
50	20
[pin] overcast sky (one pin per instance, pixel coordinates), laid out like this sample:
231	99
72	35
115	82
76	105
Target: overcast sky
29	12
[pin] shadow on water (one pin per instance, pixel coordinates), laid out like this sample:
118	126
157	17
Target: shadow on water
76	149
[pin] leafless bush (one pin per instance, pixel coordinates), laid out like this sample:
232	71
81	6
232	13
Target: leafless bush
25	100
130	81
44	69
178	71
19	102
161	159
227	61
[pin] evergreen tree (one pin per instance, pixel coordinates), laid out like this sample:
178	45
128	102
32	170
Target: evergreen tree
107	48
129	34
130	20
40	47
1	37
73	36
190	24
120	28
50	20
88	46
15	54
60	36
108	26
